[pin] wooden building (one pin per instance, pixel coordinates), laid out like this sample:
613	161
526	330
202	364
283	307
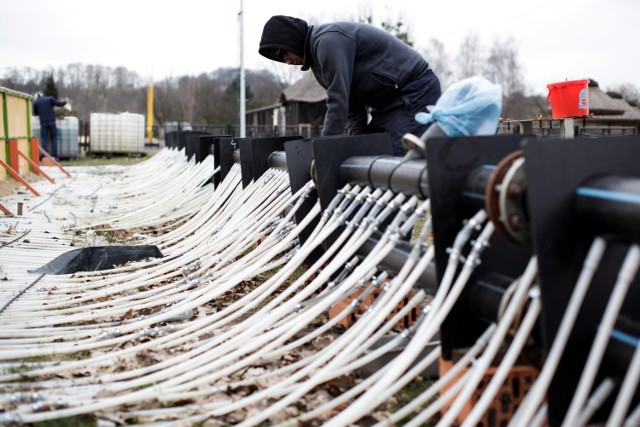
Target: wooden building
299	111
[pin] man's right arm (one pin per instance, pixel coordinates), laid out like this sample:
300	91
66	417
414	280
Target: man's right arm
335	54
357	118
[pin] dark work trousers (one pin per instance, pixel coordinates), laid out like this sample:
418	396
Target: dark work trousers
399	118
49	138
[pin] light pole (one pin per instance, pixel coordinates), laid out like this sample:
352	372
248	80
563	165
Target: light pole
242	76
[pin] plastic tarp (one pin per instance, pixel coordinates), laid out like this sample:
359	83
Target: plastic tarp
97	258
469	107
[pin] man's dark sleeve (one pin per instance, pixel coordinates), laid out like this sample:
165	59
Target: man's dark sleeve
58	103
357	119
336	53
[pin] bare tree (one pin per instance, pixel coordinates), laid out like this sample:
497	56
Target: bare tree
208	100
470	59
439	61
393	22
27	79
166	101
505	69
265	88
285	75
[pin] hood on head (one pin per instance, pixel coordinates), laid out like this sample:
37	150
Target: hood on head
281	34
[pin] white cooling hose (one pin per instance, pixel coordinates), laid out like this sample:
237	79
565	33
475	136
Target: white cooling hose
276	353
356	275
540	417
375	395
479	369
627	390
436	406
509	359
625	277
633	420
534	397
595	402
445	379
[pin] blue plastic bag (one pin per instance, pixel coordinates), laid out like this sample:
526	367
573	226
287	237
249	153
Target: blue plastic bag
469	107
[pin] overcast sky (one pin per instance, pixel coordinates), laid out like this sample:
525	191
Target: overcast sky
556	39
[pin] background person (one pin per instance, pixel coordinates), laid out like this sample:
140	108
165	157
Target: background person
43	108
361	67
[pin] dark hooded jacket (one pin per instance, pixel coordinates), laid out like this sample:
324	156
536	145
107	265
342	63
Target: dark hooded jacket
358	64
43	108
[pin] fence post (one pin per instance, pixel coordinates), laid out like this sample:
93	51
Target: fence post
14	158
35	150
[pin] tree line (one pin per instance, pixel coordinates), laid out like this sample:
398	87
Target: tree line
207	99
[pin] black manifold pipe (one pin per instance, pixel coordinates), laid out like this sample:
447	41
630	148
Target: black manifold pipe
396	259
393	173
610	205
490	295
388	172
278	160
476	184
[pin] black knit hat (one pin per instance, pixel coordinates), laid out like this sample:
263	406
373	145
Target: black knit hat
282	34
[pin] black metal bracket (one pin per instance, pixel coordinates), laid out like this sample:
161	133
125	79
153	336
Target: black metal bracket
330	152
562	239
451	163
222	149
254	155
195	146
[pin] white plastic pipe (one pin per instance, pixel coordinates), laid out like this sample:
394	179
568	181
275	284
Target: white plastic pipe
625	277
534	397
627	390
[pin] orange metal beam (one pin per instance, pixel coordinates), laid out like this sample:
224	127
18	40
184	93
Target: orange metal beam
35	150
35	166
13	154
54	161
15	175
5	210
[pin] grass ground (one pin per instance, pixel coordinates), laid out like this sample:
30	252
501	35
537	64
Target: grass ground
88	159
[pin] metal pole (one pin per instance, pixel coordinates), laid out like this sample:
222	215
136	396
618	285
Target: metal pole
242	76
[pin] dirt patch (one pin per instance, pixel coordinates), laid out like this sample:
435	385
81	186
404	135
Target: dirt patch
8	187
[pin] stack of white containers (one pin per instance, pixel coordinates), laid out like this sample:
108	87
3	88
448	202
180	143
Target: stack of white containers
68	130
117	133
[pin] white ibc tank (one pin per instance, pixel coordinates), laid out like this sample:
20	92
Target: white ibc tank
35	127
117	133
68	129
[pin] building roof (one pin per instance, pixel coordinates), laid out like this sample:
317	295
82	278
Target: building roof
306	89
604	106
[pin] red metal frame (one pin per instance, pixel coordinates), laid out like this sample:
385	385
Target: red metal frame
15	175
43	151
5	210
